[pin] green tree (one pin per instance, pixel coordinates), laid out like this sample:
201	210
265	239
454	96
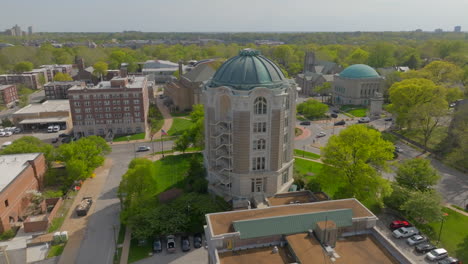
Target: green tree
62	77
354	158
76	170
100	69
323	89
424	207
398	197
427	117
413	61
312	109
453	94
456	143
417	175
358	56
29	144
408	94
443	72
382	55
23	66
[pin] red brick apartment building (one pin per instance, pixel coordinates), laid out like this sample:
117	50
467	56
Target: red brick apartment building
115	107
20	173
8	94
31	80
59	90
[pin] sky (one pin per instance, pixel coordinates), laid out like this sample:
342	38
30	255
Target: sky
233	15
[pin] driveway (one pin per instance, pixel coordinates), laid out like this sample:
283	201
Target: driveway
195	256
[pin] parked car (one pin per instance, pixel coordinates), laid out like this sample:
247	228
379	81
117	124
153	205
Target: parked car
63	135
17	130
55	140
424	247
340	123
399	223
143	148
336	111
157	245
66	140
197	240
50	129
416	239
449	260
185	243
437	254
403	232
364	120
305	123
2	134
398	149
56	128
171	244
388	119
321	134
334	115
8	134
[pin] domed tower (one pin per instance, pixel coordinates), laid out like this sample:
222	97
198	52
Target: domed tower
357	85
250	114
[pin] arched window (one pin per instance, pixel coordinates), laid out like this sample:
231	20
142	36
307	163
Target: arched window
260	106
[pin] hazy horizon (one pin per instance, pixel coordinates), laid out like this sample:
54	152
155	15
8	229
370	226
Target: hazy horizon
221	16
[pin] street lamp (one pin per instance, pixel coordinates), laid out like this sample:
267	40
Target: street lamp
441	226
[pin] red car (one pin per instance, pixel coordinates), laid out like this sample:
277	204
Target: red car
399	223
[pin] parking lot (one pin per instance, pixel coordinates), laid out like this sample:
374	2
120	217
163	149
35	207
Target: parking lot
195	255
409	251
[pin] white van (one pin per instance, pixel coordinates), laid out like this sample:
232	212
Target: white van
50	129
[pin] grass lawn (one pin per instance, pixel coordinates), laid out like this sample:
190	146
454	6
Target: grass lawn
306	154
301	118
454	236
171	171
311	169
55	250
355	110
179	126
437	136
179	114
138	252
297	131
191	149
132	137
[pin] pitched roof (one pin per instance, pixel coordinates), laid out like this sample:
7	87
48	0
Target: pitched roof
200	73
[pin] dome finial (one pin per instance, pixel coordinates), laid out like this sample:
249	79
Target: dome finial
249	52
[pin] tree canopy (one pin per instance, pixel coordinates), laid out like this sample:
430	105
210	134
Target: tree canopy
100	68
23	66
29	144
424	207
312	109
354	158
417	175
62	77
195	134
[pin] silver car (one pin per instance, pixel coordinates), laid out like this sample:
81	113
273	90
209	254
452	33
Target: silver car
403	232
416	239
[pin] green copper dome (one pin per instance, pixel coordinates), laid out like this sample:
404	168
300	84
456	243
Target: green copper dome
359	71
248	70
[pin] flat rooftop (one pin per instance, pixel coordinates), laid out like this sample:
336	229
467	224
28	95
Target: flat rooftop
47	106
355	249
291	198
136	82
64	83
221	223
2	87
257	255
12	165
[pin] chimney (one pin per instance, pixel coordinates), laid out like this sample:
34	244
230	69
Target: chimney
123	72
36	176
180	69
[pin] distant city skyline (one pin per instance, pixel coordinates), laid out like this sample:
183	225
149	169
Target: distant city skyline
239	16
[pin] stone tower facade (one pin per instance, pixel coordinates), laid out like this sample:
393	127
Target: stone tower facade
250	114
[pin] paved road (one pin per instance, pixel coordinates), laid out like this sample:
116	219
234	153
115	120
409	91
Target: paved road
98	244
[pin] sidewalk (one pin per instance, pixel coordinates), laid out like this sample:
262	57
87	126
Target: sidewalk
126	246
167	118
76	226
456	209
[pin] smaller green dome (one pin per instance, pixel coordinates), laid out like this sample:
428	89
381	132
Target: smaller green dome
359	71
248	70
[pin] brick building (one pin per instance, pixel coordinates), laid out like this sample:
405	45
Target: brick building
40	116
115	107
20	173
31	80
8	94
51	70
59	90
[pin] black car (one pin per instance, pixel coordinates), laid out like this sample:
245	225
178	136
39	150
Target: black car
63	135
66	140
305	123
157	245
424	247
185	243
55	140
336	111
340	123
388	119
449	260
197	240
334	115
